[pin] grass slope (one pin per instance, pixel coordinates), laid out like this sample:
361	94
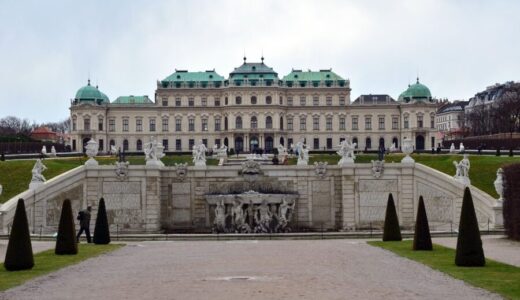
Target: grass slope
47	262
495	276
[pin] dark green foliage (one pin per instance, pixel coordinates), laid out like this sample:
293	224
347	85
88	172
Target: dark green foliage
422	240
102	230
66	239
511	208
391	231
469	244
19	255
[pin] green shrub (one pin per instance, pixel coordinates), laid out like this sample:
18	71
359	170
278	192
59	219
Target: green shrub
102	230
66	242
469	251
19	255
422	239
391	231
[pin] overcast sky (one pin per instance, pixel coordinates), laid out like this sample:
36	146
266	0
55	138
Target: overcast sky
48	49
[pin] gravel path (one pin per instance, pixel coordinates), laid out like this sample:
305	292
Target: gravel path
319	269
495	247
36	246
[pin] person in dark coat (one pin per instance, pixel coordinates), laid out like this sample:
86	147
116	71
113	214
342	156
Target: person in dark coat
84	223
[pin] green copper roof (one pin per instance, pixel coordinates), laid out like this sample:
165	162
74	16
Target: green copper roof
417	91
185	76
253	71
322	75
91	94
133	100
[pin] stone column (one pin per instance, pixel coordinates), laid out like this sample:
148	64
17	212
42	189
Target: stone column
348	199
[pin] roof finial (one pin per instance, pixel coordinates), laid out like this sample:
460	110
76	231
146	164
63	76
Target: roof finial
417	78
245	56
262	58
88	83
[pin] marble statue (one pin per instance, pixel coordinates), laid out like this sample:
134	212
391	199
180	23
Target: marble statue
284	216
44	150
219	225
239	217
462	170
346	151
53	151
302	152
499	186
221	154
1	189
393	148
452	148
37	177
199	154
407	148
91	149
153	152
113	149
461	148
263	217
282	154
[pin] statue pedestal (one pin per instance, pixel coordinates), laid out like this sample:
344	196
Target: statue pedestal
463	180
346	162
408	160
91	162
200	164
154	163
302	162
35	184
499	217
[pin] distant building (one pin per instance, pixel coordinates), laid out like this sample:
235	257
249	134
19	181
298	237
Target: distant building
450	120
44	134
253	109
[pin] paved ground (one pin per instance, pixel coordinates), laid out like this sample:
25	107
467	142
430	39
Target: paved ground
317	269
37	247
495	247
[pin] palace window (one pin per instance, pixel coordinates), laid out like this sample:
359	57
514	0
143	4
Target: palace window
152	125
269	122
406	122
125	125
395	122
178	101
253	100
238	100
191	102
281	100
139	145
432	122
238	122
165	144
86	124
303	100
381	123
164	101
303	123
316	144
217	124
355	123
101	144
125	145
178	124
342	100
100	124
342	123
329	100
204	124
191	124
368	123
289	101
315	100
178	144
290	123
368	143
74	125
329	123
111	125
138	125
316	123
217	101
191	142
268	100
254	122
204	101
420	121
164	124
329	143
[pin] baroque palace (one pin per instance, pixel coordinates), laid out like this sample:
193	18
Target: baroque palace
253	109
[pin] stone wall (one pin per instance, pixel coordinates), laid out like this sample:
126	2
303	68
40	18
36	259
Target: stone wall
153	199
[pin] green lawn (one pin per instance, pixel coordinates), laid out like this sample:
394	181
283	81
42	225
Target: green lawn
47	262
495	276
15	175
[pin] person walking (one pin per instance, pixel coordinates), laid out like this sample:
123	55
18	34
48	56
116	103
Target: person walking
84	223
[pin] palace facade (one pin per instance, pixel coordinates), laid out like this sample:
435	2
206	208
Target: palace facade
253	108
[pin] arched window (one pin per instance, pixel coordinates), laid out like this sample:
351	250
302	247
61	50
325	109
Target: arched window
382	143
125	145
238	100
281	123
225	101
355	141
268	100
238	123
268	122
225	124
112	143
253	100
139	145
281	100
368	143
254	122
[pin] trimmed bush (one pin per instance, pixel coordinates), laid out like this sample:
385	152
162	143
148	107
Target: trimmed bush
511	208
469	251
102	230
422	240
66	240
19	255
391	231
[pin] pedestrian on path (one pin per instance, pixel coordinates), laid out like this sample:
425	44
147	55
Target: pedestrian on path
84	223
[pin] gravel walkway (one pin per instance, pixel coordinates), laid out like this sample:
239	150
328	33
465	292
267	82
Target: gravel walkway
318	269
495	247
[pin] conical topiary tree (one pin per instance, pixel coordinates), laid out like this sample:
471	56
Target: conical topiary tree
19	255
422	240
391	231
469	244
66	241
102	230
